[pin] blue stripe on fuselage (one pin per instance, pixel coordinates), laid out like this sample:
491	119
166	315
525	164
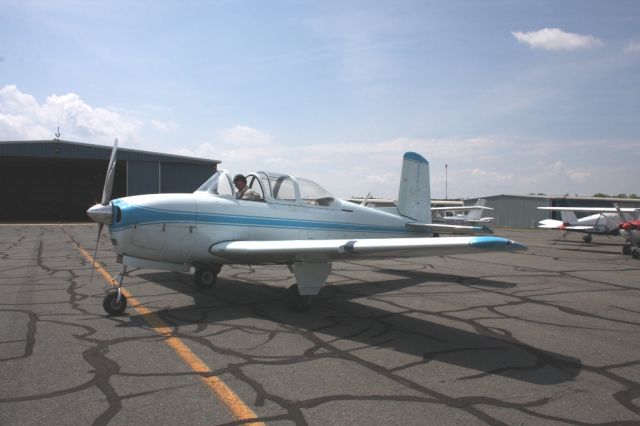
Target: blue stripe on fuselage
138	215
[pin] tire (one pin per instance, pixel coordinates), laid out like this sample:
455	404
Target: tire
111	304
296	302
205	278
635	254
587	238
626	250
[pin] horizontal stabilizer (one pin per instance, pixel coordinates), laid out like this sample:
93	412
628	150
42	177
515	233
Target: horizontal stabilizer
450	229
550	224
460	208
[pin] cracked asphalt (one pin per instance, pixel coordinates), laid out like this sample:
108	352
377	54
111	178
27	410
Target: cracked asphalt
548	336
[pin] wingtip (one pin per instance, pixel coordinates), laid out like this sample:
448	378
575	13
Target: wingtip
497	243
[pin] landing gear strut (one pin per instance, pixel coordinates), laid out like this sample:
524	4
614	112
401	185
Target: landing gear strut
295	301
206	276
115	302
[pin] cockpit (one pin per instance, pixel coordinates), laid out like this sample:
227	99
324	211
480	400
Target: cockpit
272	188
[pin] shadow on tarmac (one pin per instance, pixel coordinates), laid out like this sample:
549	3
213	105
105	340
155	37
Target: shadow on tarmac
487	351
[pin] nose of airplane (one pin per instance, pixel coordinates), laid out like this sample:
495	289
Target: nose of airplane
101	213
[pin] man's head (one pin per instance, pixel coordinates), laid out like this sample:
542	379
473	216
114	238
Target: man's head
240	181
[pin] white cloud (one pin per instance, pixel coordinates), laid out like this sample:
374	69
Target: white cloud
245	135
479	166
165	126
22	117
633	47
556	39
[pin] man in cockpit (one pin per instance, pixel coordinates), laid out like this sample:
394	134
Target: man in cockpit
244	192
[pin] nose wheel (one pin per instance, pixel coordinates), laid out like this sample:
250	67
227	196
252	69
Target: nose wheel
114	303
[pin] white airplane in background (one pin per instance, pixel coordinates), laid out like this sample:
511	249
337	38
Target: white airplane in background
473	217
630	229
604	221
297	223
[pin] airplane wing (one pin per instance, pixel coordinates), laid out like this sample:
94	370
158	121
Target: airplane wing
590	209
255	252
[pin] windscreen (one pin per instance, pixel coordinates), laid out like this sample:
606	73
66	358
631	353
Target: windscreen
313	194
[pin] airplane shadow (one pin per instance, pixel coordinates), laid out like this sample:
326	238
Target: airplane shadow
480	349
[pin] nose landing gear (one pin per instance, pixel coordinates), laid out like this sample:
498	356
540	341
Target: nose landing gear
115	302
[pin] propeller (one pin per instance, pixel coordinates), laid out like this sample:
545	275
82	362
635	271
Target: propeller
102	213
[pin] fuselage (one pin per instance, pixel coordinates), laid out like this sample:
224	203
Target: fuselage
603	223
182	227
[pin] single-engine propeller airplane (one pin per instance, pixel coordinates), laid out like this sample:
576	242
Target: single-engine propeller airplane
604	221
296	222
473	215
630	230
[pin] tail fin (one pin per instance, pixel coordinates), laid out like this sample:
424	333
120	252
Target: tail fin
476	214
414	194
620	214
568	217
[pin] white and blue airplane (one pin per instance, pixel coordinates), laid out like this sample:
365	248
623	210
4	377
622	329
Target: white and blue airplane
296	223
471	215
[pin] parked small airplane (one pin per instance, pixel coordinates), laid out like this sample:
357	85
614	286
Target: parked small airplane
472	217
296	223
604	221
630	229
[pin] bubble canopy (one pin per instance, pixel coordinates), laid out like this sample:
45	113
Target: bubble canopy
272	187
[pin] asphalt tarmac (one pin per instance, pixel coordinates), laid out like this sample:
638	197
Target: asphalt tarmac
547	336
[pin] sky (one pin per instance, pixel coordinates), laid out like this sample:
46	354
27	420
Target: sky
501	97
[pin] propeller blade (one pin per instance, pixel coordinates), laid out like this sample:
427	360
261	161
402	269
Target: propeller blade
111	171
95	253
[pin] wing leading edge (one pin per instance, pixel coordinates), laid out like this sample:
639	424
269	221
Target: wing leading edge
255	252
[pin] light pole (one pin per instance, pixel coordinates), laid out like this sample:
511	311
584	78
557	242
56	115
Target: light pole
446	183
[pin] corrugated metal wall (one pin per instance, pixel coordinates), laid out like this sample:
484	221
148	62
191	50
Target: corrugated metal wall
514	211
59	180
143	177
176	177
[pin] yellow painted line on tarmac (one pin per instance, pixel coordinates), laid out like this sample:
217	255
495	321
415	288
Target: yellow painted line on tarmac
238	408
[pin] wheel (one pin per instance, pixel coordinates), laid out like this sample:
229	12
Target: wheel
205	278
626	250
635	254
111	304
295	301
587	238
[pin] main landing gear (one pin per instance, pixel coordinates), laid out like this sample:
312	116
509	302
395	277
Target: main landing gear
206	276
629	249
587	238
295	301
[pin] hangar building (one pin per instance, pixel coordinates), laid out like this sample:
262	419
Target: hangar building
520	211
57	180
